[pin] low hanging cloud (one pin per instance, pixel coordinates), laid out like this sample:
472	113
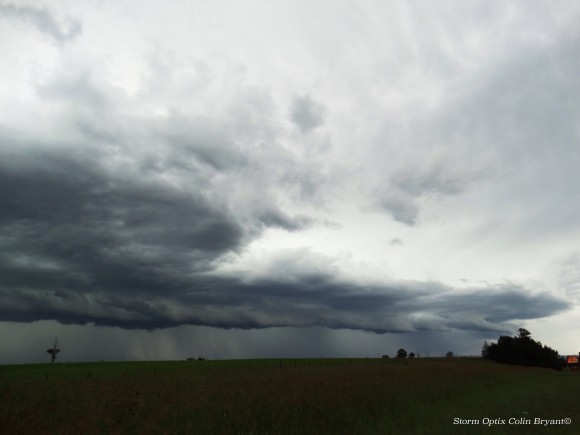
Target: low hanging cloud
114	231
83	245
85	240
133	291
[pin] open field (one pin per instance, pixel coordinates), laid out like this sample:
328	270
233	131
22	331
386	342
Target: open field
317	396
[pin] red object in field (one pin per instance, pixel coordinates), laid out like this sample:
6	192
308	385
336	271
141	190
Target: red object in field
572	359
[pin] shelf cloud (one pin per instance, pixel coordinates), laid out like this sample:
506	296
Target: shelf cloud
367	169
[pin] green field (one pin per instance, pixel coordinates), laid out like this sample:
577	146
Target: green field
316	396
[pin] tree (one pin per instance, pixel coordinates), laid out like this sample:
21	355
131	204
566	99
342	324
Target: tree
401	353
385	356
412	355
521	350
53	351
449	354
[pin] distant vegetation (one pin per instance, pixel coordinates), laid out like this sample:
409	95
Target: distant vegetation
521	350
401	353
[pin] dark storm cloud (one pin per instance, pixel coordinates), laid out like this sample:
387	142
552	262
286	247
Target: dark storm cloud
319	299
116	225
77	238
79	247
122	218
307	114
505	302
82	243
44	22
75	202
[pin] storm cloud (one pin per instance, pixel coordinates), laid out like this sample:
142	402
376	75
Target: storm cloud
389	169
81	243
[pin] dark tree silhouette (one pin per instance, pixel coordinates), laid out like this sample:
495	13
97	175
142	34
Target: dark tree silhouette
521	350
524	333
449	354
53	351
412	355
401	353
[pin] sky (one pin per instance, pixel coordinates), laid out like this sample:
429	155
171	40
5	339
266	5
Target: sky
287	178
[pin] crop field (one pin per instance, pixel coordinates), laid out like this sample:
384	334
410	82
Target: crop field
304	396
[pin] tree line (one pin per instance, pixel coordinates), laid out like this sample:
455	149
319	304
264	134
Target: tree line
521	350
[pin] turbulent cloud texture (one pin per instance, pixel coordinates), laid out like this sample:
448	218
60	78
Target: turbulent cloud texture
378	168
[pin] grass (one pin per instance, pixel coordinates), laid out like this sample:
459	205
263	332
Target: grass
317	396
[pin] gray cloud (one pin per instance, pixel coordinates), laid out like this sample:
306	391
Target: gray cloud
138	184
76	250
566	275
311	300
118	226
275	218
511	123
434	177
44	22
121	233
307	114
400	205
102	231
